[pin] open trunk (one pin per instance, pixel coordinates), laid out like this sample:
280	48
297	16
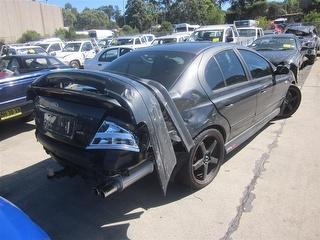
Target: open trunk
73	109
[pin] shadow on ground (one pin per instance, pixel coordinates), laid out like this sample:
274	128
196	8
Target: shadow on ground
67	209
14	127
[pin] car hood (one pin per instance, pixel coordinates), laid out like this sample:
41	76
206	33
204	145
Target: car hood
15	224
277	57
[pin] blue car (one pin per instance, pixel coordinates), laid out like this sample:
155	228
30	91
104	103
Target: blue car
16	74
16	225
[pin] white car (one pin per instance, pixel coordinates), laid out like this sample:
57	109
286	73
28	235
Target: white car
174	38
148	38
51	47
132	41
76	52
105	57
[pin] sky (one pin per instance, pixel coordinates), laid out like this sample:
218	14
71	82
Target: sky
81	4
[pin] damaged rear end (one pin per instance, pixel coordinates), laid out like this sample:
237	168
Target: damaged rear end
107	127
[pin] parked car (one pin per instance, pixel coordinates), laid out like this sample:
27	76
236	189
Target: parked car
21	50
106	56
74	53
51	45
309	38
282	49
149	38
132	41
16	225
218	33
173	38
251	33
16	74
175	107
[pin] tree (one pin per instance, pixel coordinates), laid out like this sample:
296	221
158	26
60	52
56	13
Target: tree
263	22
70	15
137	15
29	36
312	16
196	12
166	27
92	19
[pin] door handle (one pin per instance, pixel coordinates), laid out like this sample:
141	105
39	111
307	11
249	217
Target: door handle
229	105
99	64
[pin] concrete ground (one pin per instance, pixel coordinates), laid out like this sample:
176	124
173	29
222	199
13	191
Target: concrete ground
268	189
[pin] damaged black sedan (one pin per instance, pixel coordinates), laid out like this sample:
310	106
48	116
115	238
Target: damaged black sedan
174	109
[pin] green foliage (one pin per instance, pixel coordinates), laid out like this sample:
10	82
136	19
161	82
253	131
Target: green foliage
67	34
29	36
69	18
92	19
166	27
263	22
128	30
137	15
312	16
195	12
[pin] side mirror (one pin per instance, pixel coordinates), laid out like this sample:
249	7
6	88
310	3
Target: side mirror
282	69
229	39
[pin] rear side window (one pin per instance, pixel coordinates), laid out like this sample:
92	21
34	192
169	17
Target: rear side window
231	67
137	41
124	51
258	66
213	75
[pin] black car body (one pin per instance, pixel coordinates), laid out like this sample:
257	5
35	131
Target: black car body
282	49
16	74
155	108
309	38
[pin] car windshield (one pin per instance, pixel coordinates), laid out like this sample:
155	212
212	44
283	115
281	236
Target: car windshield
207	35
72	47
124	41
247	32
274	44
164	41
161	66
44	46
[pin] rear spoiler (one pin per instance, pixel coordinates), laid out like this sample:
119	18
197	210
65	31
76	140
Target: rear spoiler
142	98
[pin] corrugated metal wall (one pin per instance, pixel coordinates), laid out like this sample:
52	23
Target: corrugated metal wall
18	16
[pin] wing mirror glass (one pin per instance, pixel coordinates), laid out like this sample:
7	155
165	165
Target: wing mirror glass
282	69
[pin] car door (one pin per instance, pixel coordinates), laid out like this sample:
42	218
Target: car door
232	93
261	74
106	58
87	50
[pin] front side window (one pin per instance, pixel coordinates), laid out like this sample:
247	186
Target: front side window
231	67
35	63
213	75
124	51
137	41
258	66
54	47
109	55
86	47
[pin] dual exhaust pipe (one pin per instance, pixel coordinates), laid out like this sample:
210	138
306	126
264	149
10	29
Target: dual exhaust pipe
122	182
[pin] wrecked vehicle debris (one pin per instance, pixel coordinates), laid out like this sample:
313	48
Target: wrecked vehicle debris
176	109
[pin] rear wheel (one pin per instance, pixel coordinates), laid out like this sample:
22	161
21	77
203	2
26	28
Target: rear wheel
75	64
204	160
291	102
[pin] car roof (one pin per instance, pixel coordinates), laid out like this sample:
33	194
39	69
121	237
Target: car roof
301	28
126	37
213	27
188	47
169	36
25	47
79	41
29	56
120	46
284	35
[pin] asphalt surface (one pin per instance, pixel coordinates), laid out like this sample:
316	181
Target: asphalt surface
267	189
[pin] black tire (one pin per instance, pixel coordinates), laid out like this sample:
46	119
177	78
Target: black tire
28	118
291	102
204	160
75	64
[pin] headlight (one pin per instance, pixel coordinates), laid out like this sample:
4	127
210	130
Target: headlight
112	136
